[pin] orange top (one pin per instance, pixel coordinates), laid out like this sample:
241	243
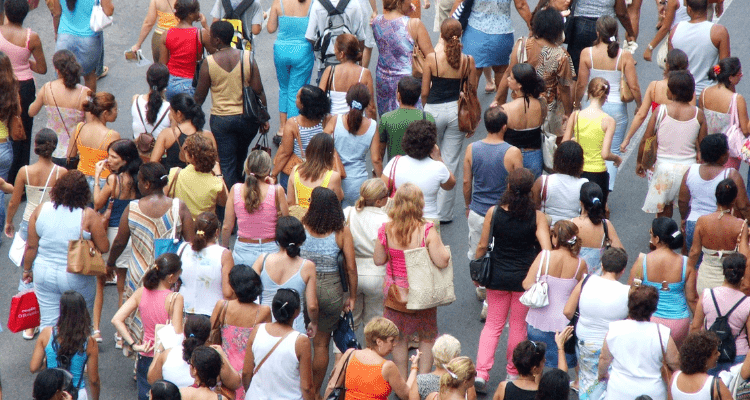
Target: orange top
90	156
165	21
365	381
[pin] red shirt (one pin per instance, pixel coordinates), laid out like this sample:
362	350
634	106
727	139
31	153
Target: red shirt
184	47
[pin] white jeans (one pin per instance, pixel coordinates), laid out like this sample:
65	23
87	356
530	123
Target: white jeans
476	222
451	143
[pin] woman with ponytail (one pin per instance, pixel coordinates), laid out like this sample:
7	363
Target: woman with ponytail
155	303
354	134
293	271
456	383
205	266
667	271
593	234
255	206
441	86
150	111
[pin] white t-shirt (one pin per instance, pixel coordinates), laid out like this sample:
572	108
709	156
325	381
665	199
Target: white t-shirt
353	19
428	174
253	15
602	301
201	278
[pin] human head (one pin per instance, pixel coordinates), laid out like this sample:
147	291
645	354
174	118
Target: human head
101	105
73	325
45	143
450	31
548	25
157	77
372	191
699	352
606	30
205	363
124	157
445	349
727	71
518	195
565	232
358	99
598	89
68	68
165	390
379	328
223	32
184	9
642	302
167	266
681	85
245	283
697	6
389	5
16	11
152	177
408	205
206	227
50	383
614	260
325	214
714	148
532	85
314	103
733	266
495	120
554	385
202	153
185	105
348	46
568	159
409	90
677	60
591	199
667	232
529	355
419	139
258	166
726	193
197	329
71	190
461	371
290	234
285	305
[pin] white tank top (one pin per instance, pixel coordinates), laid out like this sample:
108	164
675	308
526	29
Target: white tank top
703	394
561	200
695	40
201	278
278	377
338	99
612	76
176	370
702	192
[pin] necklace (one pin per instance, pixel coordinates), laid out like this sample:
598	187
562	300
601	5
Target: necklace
723	212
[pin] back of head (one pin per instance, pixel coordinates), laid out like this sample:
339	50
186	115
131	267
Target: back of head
16	11
290	234
460	370
532	85
725	69
518	195
566	233
71	190
734	268
157	77
319	157
285	305
591	198
450	31
207	363
668	232
358	98
349	45
258	166
202	152
419	139
495	120
47	383
695	351
245	283
548	24
379	328
528	355
389	5
45	143
614	260
98	103
69	69
714	147
197	329
165	390
568	159
726	192
699	6
165	265
192	111
445	349
371	191
554	385
73	326
206	228
409	88
407	211
598	88
315	103
153	174
184	8
223	31
325	214
642	302
606	28
677	60
682	86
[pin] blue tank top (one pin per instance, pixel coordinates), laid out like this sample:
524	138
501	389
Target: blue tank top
76	22
118	207
489	175
295	282
672	302
322	251
77	364
292	29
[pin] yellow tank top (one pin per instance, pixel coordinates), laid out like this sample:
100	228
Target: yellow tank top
165	21
303	192
3	131
226	86
589	134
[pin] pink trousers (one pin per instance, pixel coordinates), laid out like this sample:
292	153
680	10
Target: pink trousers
499	303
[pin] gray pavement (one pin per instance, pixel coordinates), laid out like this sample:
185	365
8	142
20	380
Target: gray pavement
459	319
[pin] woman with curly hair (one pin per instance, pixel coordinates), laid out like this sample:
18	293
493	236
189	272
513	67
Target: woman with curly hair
519	233
51	227
69	345
326	237
349	73
698	354
316	171
198	184
422	165
63	99
150	111
409	230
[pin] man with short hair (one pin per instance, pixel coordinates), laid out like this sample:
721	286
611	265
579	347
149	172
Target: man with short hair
393	124
251	16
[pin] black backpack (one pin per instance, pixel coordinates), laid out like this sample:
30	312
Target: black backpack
335	26
727	347
234	17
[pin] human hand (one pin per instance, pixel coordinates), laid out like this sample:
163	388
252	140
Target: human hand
719	9
349	303
618	161
10	230
110	272
265	127
27	276
135	48
467	211
415	359
435	153
66	396
640	171
469	134
373	15
100	166
647	54
426	4
202	19
494	103
144	347
563	336
624	145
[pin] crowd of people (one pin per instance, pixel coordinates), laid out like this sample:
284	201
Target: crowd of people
363	177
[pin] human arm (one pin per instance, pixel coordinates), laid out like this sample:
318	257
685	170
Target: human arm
523	10
92	368
118	320
286	148
229	376
745	370
229	219
666	25
375	152
468	179
56	10
18	189
102	194
281	205
38	102
379	255
93	224
631	77
148	23
347	246
304	355
38	356
163	52
650	132
160	146
227	262
639	117
154	370
273	17
621	11
439	255
484	240
673	355
335	184
187	230
613	237
683	200
720	39
742	113
542	231
698	315
108	7
426	78
742	203
605	359
570	307
32	245
248	365
371	111
451	182
500	391
502	87
257	84
422	36
39	63
608	125
204	83
530	279
311	296
637	269
568	135
583	78
393	377
560	339
121	240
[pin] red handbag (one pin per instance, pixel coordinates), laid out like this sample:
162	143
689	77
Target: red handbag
24	312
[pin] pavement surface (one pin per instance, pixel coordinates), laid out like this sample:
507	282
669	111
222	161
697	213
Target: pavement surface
460	319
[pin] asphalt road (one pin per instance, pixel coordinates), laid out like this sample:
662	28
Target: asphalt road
460	319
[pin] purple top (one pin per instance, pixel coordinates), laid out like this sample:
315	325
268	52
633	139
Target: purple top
550	318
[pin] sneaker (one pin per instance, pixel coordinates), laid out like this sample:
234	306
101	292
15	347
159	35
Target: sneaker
480	385
483	314
629	46
29	334
481	293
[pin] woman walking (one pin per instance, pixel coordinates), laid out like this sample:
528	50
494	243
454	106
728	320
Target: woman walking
150	111
161	14
350	73
595	232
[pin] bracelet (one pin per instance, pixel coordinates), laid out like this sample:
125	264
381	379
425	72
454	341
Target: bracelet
26	271
650	47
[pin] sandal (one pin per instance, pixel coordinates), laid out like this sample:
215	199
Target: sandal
490	87
27	336
97	335
118	341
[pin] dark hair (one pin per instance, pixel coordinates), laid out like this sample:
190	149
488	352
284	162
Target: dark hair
528	355
45	143
206	226
548	25
183	8
606	28
71	190
71	4
48	382
668	232
532	85
409	88
495	120
67	65
245	283
568	159
325	214
165	265
714	147
697	5
451	31
157	77
696	350
728	67
614	259
73	328
349	44
285	303
16	10
315	103
197	329
222	30
207	363
726	192
99	102
677	60
734	268
154	174
165	390
359	93
682	85
320	157
518	194
202	152
554	385
128	152
419	139
591	197
642	302
185	104
290	234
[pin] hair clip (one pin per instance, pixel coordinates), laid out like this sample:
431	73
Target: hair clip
200	232
612	38
454	37
595	200
191	335
452	374
252	174
356	105
572	241
155	88
164	177
717	69
291	244
284	305
675	234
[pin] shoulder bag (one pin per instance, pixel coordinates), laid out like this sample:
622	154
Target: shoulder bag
538	295
83	256
417	57
666	372
253	109
15	129
198	50
626	95
215	336
99	19
165	336
170	244
172	189
480	269
298	211
469	109
735	136
18	245
570	344
294	159
343	336
71	163
338	385
648	160
260	364
397	297
146	141
429	286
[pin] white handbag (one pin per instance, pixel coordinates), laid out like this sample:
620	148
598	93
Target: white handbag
735	136
99	19
165	336
538	295
549	146
429	286
17	249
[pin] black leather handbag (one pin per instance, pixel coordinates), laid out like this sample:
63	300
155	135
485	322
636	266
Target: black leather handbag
481	268
252	108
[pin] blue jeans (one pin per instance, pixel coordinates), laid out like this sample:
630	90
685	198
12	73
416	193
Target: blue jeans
177	85
534	161
283	180
584	35
87	49
246	253
618	111
548	338
90	181
51	282
141	372
6	160
233	135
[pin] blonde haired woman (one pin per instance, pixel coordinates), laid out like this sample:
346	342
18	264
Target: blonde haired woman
456	383
364	219
445	349
409	230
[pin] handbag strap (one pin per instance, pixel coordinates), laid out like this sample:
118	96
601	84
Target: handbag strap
140	114
739	237
545	181
170	306
62	120
733	116
156	125
46	184
255	371
175	215
343	371
392	177
491	244
663	351
173	186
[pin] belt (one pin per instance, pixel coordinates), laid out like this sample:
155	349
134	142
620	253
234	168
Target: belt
257	241
3	140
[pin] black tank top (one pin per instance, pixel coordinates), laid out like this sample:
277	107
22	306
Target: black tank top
525	138
173	153
516	247
515	393
443	90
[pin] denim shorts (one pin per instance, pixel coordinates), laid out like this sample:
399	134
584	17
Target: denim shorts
87	49
247	253
533	160
548	338
178	85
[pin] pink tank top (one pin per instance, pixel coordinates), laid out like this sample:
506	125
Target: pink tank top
19	57
153	311
677	140
262	223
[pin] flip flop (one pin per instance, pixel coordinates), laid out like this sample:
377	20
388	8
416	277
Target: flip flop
97	335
